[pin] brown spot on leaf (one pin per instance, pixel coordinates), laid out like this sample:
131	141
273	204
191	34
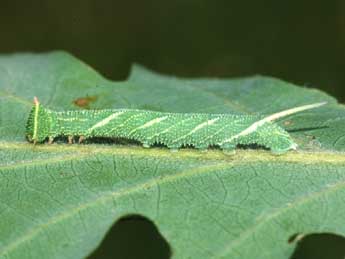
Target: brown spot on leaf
84	102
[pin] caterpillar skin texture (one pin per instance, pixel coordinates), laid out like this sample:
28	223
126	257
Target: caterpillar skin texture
171	129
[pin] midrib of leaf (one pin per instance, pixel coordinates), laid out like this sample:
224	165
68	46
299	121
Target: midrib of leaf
304	157
30	234
37	162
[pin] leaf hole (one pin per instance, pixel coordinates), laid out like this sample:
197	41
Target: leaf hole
133	237
318	246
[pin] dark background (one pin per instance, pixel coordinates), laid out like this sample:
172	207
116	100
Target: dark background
299	41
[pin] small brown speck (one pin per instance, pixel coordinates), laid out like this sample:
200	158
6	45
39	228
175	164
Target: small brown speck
84	102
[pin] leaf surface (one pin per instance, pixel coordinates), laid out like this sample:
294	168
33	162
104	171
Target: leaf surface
59	200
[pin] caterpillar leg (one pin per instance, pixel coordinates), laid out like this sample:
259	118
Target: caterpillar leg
273	137
279	143
50	140
228	148
201	147
278	150
81	139
174	148
70	139
146	145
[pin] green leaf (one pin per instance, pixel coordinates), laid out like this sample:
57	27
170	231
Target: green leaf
59	200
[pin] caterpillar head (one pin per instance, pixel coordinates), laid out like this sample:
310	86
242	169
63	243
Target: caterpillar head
38	124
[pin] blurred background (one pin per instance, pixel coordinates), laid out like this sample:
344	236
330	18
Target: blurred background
300	41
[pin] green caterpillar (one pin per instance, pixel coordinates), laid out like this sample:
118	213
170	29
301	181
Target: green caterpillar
174	130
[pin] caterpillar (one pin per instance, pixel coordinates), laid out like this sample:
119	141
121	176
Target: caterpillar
174	130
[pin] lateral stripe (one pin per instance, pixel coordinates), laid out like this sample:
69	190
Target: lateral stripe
105	121
167	129
246	131
149	124
200	126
